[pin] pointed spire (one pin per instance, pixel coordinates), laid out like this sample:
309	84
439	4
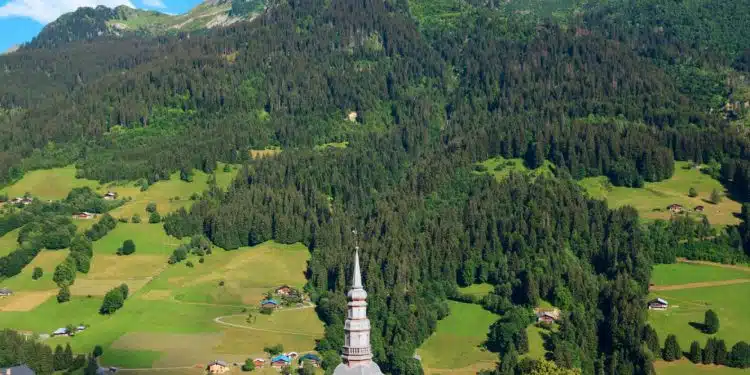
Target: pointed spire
357	278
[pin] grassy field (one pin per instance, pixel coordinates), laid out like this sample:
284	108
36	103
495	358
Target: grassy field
689	306
52	184
501	168
9	242
477	290
684	273
685	367
537	337
149	239
326	146
457	340
652	199
47	260
271	151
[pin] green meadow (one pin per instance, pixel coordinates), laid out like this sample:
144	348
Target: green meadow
685	367
500	167
688	306
169	318
457	341
652	199
685	273
9	242
477	290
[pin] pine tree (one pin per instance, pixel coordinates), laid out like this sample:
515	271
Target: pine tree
696	354
68	356
715	197
651	338
709	351
740	356
58	360
672	350
722	355
711	322
91	366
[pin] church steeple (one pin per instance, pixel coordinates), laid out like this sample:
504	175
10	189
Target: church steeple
357	354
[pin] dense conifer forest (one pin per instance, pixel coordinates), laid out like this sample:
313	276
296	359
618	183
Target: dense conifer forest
621	89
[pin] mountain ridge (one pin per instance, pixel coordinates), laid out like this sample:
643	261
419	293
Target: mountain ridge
87	23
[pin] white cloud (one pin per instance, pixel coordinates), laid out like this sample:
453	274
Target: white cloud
45	11
154	3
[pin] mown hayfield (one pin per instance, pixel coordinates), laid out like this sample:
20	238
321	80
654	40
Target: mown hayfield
9	242
477	290
689	306
47	260
685	367
109	271
457	340
685	273
652	199
53	183
255	154
501	167
247	273
25	300
297	321
149	239
51	315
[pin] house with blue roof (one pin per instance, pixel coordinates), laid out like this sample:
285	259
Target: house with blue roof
280	361
310	357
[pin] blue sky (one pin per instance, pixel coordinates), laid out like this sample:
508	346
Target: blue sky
21	20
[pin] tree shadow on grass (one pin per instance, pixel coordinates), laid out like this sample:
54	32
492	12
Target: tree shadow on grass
699	326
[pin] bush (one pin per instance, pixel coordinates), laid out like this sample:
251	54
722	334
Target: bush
154	218
201	260
113	301
128	247
63	295
715	197
266	310
249	365
136	219
274	350
711	322
151	207
98	351
692	192
190	264
38	273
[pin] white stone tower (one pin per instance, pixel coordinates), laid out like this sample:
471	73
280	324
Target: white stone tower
357	354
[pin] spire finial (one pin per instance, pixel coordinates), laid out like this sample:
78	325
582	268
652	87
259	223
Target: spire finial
357	278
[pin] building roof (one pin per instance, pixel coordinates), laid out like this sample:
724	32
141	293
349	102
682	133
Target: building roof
18	370
660	300
218	362
281	357
269	301
6	291
371	368
259	360
60	331
310	357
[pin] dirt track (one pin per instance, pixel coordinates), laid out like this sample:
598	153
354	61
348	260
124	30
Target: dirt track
662	288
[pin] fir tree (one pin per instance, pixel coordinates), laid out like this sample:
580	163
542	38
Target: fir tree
672	350
696	355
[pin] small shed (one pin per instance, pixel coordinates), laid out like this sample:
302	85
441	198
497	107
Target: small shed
217	367
309	357
85	215
658	304
110	196
60	332
699	208
259	362
675	208
5	292
269	303
546	317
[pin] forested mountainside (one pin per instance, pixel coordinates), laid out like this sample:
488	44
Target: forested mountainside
620	89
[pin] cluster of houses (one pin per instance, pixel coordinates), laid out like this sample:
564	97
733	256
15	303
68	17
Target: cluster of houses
277	362
678	208
285	295
22	200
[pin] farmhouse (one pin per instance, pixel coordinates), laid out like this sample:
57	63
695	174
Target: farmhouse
5	292
110	196
309	357
269	303
546	317
85	216
283	290
280	361
17	370
675	208
22	200
699	208
658	304
217	367
259	362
